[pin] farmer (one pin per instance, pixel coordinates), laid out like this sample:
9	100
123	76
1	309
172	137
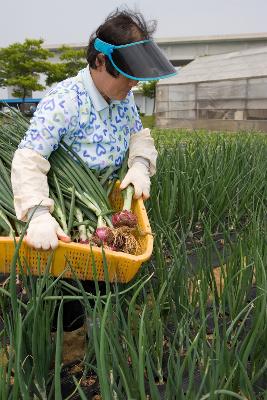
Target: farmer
95	113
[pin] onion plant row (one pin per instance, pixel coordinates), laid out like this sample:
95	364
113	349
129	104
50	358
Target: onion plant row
217	178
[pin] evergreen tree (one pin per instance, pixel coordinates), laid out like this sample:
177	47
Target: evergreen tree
72	60
21	65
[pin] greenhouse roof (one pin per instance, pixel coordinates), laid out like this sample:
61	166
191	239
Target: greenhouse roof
250	63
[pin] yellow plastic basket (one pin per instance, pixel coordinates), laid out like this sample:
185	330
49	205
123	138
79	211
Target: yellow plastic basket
121	267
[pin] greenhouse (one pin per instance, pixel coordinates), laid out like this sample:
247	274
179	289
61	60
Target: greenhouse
226	91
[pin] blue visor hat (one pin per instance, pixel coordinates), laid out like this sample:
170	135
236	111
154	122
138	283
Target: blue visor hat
141	61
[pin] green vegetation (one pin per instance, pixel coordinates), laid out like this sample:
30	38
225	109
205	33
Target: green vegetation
181	329
21	65
148	121
149	89
71	62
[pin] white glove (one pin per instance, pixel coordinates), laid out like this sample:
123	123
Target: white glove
138	176
44	231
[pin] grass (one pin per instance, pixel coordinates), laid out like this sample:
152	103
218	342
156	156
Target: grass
182	330
148	121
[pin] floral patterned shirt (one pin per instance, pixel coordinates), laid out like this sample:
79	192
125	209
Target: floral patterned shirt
75	111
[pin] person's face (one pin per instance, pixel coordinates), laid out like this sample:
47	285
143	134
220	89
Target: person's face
117	88
114	88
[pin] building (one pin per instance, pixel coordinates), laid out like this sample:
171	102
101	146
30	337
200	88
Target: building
220	92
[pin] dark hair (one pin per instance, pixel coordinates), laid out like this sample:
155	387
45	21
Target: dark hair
120	27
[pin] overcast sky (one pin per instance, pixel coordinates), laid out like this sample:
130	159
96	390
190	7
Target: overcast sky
67	22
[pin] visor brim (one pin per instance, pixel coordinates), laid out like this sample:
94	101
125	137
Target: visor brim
142	61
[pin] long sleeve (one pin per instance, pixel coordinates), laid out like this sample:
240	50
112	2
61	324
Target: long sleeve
29	182
142	145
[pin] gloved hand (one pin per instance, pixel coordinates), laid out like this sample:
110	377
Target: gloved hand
44	231
138	176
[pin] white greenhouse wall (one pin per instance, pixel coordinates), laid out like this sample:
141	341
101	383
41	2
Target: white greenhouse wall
145	104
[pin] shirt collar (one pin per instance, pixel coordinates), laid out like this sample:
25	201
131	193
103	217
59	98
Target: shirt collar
97	99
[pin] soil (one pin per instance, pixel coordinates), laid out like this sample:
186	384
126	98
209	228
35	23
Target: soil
88	383
74	345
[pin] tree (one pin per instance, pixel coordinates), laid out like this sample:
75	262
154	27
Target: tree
72	60
21	65
149	90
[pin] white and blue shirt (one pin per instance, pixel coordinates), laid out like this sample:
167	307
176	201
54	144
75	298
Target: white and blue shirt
75	111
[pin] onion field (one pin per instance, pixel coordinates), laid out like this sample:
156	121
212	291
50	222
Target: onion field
192	324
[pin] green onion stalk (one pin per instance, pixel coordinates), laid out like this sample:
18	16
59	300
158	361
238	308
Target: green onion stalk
83	232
